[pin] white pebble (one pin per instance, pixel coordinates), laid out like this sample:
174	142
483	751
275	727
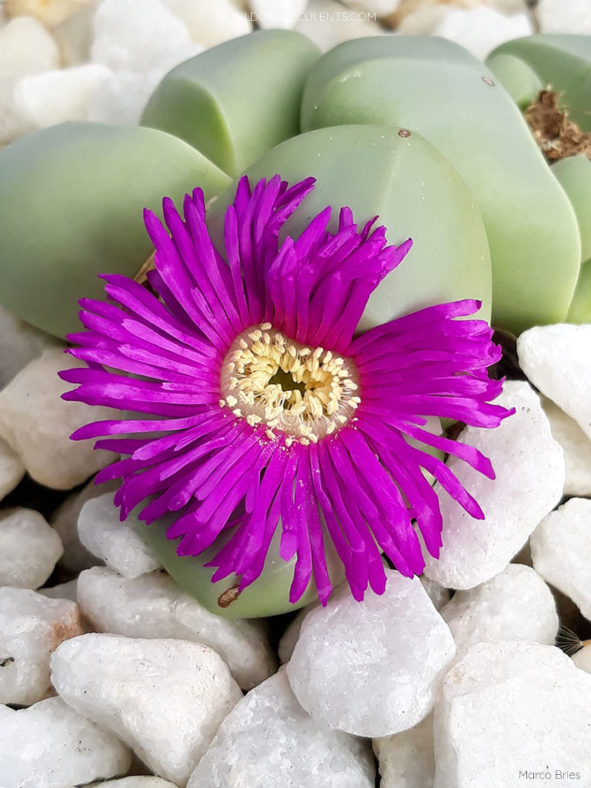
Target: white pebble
58	96
26	48
135	782
20	343
269	740
277	13
482	29
529	468
29	548
577	449
127	39
209	24
514	605
407	759
153	606
561	551
48	745
31	627
11	469
65	521
582	658
37	423
564	16
372	668
114	542
508	708
557	360
49	12
164	698
377	8
327	23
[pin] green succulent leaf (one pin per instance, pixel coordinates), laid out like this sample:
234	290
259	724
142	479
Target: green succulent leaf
439	90
71	201
237	100
517	77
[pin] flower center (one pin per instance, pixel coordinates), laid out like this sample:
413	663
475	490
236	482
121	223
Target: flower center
305	392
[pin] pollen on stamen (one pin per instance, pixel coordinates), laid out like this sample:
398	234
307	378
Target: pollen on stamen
305	393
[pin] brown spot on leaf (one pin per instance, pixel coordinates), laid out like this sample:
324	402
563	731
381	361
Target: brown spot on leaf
230	595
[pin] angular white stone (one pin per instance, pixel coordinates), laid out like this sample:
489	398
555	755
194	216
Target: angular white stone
514	605
153	606
135	782
556	359
29	548
372	668
19	344
59	96
26	48
65	521
67	590
437	594
48	745
164	698
482	29
11	469
210	24
561	551
327	23
126	39
291	635
31	627
268	739
510	707
114	542
277	13
577	449
582	658
407	760
529	467
564	16
49	12
37	423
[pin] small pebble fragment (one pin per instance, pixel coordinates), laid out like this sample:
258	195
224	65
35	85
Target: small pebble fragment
49	12
354	670
164	698
49	745
557	360
210	26
482	29
561	551
11	469
29	548
31	627
327	23
576	447
26	48
20	343
512	707
514	605
529	467
564	16
277	13
269	740
153	606
58	96
114	542
37	424
407	760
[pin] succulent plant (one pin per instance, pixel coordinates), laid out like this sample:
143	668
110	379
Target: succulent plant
414	130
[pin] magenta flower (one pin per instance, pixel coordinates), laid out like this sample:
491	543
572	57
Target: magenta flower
264	410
